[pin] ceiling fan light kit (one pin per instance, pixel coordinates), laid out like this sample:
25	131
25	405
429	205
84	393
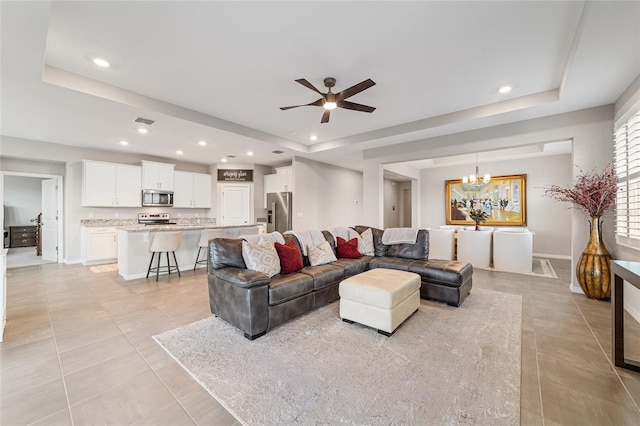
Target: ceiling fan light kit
331	101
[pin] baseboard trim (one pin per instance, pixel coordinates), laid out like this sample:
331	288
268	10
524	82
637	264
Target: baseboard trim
575	288
635	313
552	256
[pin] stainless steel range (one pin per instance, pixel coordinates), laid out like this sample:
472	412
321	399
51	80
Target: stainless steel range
154	219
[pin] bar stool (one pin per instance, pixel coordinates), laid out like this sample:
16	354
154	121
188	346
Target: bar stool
205	236
165	242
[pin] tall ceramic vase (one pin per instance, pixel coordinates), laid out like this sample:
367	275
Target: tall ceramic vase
593	271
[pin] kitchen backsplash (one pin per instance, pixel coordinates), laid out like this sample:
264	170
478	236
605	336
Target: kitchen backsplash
132	222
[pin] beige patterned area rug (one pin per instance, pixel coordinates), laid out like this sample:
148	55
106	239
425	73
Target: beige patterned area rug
539	268
443	366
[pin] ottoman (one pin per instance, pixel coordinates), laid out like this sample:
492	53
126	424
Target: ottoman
380	298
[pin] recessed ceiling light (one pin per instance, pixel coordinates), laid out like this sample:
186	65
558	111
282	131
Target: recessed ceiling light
504	89
124	143
143	130
249	153
202	143
313	137
224	160
101	62
179	152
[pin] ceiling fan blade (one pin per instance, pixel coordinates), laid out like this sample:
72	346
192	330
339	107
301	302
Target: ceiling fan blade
308	85
319	102
355	107
325	116
354	90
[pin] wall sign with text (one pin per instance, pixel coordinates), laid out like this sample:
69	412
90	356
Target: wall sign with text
235	175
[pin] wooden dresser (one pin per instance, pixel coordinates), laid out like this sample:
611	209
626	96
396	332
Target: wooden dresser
22	236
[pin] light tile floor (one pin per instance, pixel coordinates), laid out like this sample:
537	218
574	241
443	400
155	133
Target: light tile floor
78	350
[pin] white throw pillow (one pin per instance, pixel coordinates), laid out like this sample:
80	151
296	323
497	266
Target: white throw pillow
321	254
365	243
261	257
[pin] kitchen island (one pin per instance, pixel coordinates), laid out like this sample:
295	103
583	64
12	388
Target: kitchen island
134	242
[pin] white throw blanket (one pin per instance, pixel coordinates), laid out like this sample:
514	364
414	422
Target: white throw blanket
274	237
343	232
400	236
307	237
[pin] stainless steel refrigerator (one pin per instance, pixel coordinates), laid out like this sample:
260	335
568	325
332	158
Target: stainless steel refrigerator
279	207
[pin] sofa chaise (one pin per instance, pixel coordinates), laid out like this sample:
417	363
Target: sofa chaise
256	303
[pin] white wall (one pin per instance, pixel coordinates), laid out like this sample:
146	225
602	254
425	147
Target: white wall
402	186
391	204
549	219
22	200
325	196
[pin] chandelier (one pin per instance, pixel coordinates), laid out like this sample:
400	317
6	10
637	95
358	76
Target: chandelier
475	182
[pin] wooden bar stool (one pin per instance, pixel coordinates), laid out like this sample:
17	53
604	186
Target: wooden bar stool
205	236
165	242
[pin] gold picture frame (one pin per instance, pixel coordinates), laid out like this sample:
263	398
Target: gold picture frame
504	199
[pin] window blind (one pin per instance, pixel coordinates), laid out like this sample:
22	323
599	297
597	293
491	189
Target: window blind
626	158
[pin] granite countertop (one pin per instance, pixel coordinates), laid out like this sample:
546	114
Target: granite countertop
177	227
132	225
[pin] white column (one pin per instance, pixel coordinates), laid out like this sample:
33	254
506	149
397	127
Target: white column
372	194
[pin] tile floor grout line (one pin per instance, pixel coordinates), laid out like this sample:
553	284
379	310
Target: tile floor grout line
535	349
55	342
615	371
155	373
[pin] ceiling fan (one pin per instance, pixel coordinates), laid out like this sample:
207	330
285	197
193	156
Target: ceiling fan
330	101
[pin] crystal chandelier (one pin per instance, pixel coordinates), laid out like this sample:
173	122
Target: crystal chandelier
475	182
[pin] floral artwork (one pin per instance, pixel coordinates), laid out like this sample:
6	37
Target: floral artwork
592	192
502	200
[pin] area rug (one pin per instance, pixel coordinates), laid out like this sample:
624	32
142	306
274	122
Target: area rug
444	365
539	268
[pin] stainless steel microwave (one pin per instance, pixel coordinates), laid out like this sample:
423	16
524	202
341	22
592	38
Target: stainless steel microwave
152	198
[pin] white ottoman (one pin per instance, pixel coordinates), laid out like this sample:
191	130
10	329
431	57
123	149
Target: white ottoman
380	298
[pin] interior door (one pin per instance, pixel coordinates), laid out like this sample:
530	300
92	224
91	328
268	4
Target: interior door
49	227
236	206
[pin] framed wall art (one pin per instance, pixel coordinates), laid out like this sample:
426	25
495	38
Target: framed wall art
504	199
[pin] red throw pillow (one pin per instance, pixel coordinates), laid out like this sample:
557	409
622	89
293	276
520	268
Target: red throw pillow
290	257
348	249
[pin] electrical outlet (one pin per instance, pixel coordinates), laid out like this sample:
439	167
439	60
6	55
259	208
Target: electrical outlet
90	215
117	214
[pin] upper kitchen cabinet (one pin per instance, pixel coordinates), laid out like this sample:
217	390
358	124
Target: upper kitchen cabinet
191	190
157	175
280	181
110	184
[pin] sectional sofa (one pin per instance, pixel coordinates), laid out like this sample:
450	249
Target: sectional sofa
256	303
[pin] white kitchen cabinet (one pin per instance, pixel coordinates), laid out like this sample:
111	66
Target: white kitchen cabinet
110	184
157	175
192	190
99	245
278	182
284	178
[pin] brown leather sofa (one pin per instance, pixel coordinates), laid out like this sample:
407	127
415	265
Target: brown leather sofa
255	303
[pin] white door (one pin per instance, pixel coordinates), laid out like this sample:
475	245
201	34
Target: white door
49	227
236	208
